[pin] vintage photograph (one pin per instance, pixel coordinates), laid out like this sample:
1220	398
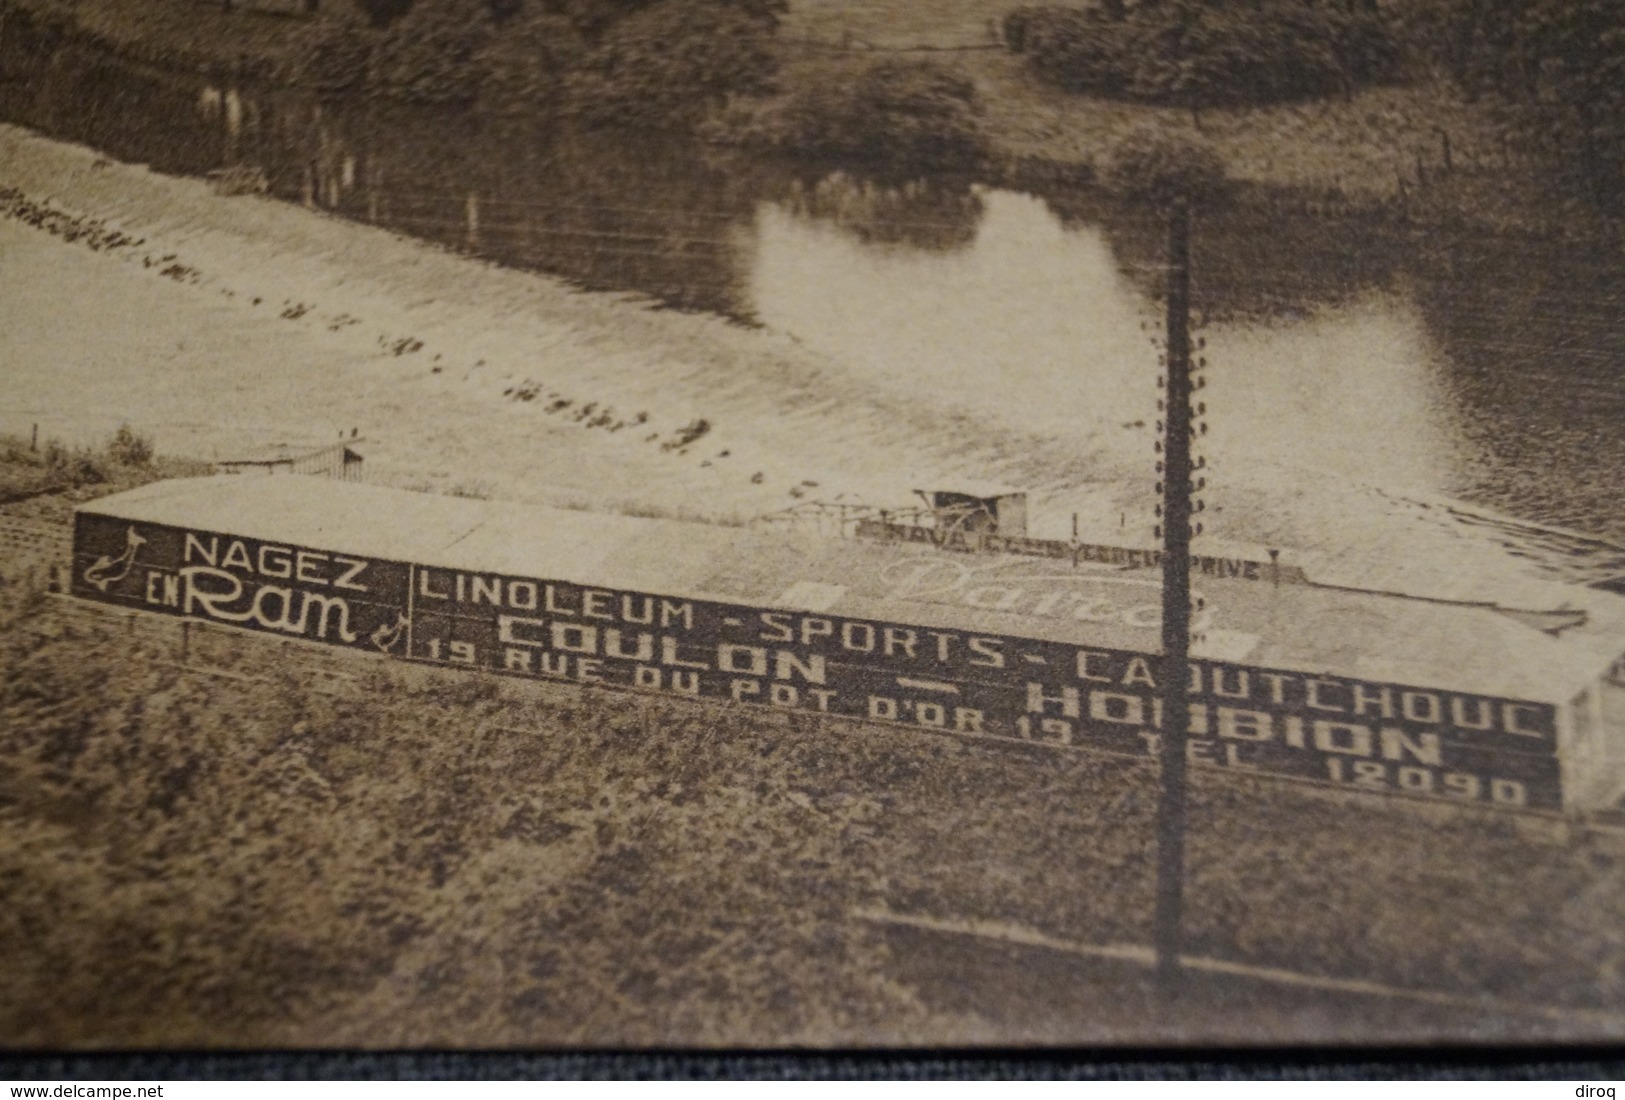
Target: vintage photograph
828	524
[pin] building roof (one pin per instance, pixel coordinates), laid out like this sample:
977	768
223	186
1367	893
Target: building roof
1520	652
982	490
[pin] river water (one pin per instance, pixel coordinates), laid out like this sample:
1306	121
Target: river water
1451	363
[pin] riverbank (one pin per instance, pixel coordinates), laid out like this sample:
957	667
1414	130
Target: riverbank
1414	153
1418	151
201	35
219	324
241	328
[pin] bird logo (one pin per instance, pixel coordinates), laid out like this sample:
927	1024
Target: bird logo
108	571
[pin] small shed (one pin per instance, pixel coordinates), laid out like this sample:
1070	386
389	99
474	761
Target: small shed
978	508
342	461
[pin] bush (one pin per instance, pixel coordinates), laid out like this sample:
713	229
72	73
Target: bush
524	65
1031	27
1076	50
129	449
1152	168
1194	54
1553	69
919	113
57	455
73	467
909	115
85	470
427	56
628	63
335	60
673	63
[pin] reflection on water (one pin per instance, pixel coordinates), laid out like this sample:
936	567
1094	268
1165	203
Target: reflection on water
1028	323
133	112
1043	327
1448	361
657	218
1352	391
922	214
1250	262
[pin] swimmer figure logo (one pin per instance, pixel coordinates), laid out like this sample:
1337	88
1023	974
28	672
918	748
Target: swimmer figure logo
108	571
385	637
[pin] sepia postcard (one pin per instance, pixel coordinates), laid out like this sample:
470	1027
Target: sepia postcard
811	523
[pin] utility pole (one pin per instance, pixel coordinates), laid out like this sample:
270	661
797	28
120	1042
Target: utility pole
1176	485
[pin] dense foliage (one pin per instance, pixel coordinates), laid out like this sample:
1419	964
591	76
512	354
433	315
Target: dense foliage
427	56
1201	53
1559	65
646	63
1152	168
51	468
673	62
895	115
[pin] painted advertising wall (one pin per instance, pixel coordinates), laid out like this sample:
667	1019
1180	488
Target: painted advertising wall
1376	736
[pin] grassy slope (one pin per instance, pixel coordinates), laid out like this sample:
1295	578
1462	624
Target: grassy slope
32	467
1374	146
403	855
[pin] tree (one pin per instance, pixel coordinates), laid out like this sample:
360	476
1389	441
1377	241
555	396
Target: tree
1200	53
1578	49
524	63
915	113
428	55
674	61
632	63
1559	65
895	118
1153	168
335	61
